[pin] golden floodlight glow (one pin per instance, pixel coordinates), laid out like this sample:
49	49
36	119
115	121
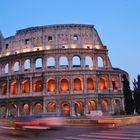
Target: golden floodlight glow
8	53
73	46
48	47
26	50
97	46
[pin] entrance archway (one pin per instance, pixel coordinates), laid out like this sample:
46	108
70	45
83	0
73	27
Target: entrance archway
51	107
104	105
65	108
91	105
79	108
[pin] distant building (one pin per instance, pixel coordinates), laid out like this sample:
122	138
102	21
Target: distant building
57	68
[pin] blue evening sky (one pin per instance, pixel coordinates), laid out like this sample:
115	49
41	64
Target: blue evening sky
117	22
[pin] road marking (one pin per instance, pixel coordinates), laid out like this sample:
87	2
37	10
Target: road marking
106	137
7	138
76	138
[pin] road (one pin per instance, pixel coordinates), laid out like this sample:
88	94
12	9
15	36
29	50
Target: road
131	132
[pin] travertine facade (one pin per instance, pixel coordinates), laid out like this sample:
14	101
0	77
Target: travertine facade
57	68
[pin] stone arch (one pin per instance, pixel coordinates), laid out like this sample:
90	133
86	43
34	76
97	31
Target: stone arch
26	64
50	61
50	85
115	82
104	105
25	86
78	107
65	108
63	61
89	61
92	105
76	61
103	83
64	84
3	110
26	109
38	63
91	83
51	107
116	106
38	108
77	84
101	60
5	68
14	87
15	66
4	88
38	86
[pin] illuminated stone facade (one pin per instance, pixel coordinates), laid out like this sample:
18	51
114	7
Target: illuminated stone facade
57	68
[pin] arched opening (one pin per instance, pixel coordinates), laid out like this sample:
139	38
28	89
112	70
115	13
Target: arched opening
88	61
51	85
64	85
38	108
14	87
91	84
15	66
103	83
50	62
77	84
115	82
5	68
91	105
104	105
26	109
25	86
37	85
78	108
26	64
4	88
65	108
38	63
51	107
116	106
3	110
63	61
76	62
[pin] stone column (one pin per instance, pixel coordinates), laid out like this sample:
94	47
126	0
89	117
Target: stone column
56	62
57	84
72	109
31	85
85	107
97	83
70	61
31	108
84	84
44	105
8	87
71	85
95	61
110	83
32	64
82	62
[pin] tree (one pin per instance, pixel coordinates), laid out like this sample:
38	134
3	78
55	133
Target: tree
128	100
137	94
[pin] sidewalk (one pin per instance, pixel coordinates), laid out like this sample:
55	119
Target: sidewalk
107	121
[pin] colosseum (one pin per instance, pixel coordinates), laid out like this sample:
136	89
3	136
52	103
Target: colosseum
57	68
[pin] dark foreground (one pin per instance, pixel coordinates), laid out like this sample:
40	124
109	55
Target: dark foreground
130	132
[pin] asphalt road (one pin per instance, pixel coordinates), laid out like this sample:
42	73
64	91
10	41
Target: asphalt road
130	132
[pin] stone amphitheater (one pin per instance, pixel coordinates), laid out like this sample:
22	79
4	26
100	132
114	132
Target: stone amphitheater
57	68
